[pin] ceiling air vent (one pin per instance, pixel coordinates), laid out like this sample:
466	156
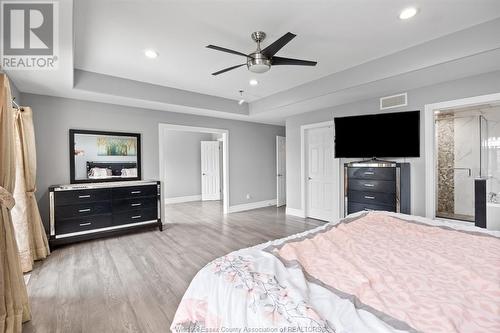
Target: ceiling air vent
394	101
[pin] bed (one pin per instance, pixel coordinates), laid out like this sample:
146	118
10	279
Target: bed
111	170
370	272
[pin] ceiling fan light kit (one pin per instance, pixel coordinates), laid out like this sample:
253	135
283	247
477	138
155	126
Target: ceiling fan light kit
261	61
257	62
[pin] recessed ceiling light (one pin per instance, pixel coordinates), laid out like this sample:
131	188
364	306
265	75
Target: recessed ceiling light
253	82
151	54
408	13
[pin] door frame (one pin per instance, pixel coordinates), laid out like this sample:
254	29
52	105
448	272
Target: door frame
303	178
163	127
430	143
277	158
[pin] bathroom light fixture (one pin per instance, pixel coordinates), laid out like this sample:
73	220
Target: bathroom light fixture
242	100
151	54
408	13
253	82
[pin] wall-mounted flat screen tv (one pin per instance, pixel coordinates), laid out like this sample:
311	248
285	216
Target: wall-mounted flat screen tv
378	135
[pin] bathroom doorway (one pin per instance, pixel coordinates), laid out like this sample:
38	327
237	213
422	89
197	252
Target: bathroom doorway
467	143
458	161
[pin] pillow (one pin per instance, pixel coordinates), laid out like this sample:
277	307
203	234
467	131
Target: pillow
100	173
130	172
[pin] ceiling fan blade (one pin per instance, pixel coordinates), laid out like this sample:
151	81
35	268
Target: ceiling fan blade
227	69
273	48
290	61
223	49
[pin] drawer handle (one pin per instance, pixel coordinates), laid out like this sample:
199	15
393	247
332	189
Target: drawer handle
84	196
85	224
369	197
135	204
369	173
84	210
137	217
369	185
135	192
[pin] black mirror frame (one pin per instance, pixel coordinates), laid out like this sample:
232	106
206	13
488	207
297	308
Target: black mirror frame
72	133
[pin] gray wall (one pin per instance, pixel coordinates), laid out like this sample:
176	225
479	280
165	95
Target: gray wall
252	147
183	163
468	87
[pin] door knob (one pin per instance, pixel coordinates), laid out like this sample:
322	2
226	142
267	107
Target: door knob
203	174
309	178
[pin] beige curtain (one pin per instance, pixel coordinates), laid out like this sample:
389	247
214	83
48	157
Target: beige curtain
28	227
14	307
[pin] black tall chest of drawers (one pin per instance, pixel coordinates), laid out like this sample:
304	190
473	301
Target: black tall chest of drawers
375	185
85	211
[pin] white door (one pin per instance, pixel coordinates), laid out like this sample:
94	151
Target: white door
281	171
210	174
321	175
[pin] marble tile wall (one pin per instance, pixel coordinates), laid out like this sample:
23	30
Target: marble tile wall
445	130
493	149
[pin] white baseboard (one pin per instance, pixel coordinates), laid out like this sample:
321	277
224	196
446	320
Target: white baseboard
295	212
252	205
183	199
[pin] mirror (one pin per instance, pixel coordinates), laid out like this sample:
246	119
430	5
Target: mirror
97	156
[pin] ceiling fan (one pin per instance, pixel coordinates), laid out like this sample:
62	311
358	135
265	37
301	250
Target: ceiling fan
261	61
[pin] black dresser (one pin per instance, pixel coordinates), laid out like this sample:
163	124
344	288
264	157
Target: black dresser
85	211
374	185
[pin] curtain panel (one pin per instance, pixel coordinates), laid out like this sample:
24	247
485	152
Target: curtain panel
30	234
14	306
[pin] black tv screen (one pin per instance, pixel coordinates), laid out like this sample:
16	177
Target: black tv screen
378	135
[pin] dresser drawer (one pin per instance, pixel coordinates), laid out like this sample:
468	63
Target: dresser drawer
81	196
83	209
372	173
354	207
135	191
373	198
83	224
385	186
120	205
134	216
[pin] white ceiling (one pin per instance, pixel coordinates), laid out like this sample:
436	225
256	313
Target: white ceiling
110	37
364	51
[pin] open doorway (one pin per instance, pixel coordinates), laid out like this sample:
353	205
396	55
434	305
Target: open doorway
460	160
462	145
193	166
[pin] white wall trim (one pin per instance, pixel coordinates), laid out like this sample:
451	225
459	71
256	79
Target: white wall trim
303	184
187	198
430	159
163	127
295	212
278	137
252	205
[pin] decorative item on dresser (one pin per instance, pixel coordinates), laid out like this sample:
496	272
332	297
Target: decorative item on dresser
85	211
377	185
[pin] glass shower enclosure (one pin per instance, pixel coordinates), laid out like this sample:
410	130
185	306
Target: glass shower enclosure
461	157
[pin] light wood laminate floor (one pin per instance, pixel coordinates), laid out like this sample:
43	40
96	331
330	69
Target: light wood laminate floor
134	283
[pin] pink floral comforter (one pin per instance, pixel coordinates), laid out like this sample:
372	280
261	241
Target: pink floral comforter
374	272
